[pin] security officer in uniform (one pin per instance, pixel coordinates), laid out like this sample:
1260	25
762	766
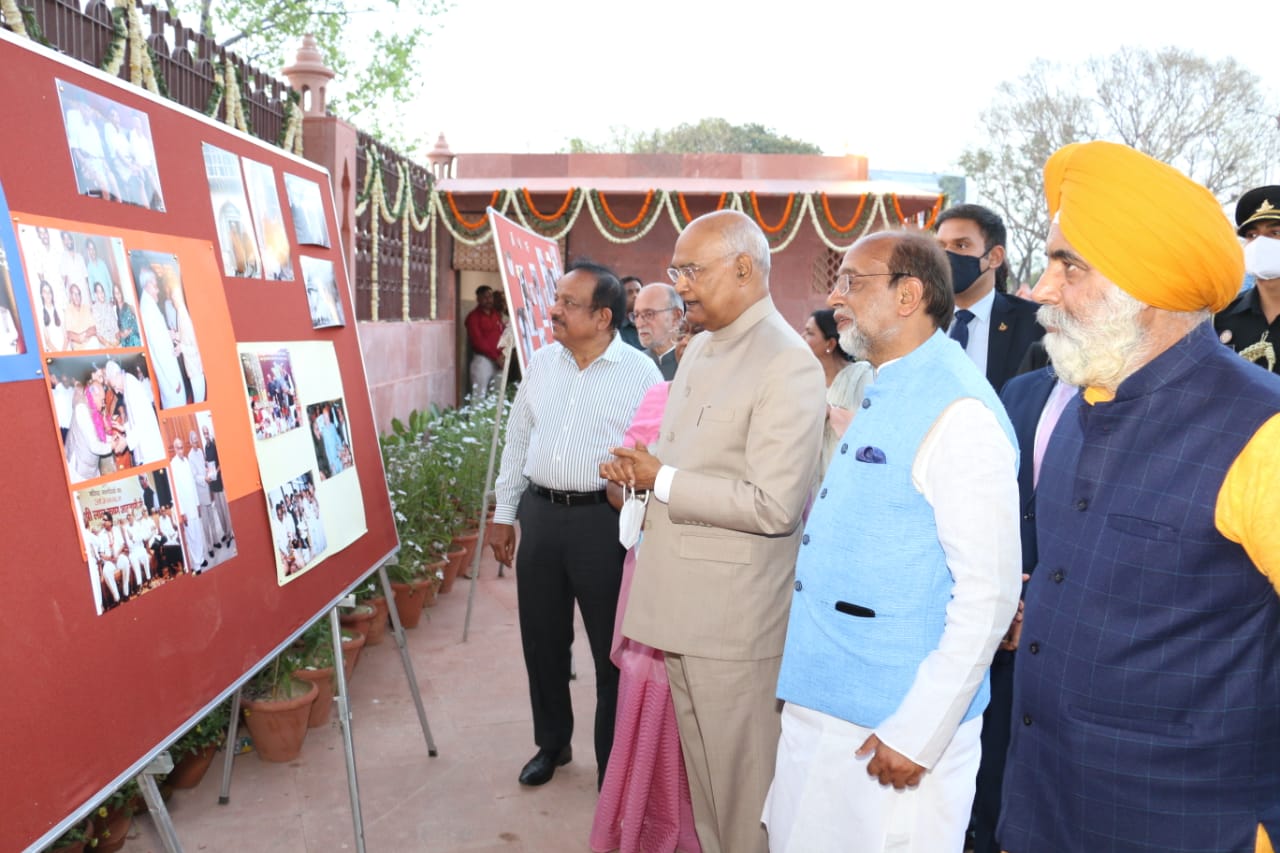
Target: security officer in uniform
1250	325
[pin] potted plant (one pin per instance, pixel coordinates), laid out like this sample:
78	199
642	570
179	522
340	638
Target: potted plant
312	660
113	818
277	707
409	584
193	752
77	839
370	593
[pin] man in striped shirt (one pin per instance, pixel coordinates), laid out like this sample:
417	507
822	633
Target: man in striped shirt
577	399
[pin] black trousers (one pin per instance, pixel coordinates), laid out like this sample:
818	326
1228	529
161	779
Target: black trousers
995	748
567	553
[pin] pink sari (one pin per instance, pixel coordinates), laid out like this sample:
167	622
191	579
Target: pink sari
644	804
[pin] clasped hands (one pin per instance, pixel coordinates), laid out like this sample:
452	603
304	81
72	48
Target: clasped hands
635	467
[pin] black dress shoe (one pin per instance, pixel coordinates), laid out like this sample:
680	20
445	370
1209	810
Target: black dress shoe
543	766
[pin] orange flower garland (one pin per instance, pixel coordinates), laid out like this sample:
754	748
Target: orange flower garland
857	214
684	209
469	224
933	212
626	226
528	200
786	214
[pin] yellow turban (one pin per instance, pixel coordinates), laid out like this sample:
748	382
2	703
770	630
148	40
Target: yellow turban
1153	231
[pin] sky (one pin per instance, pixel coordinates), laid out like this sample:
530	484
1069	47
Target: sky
902	83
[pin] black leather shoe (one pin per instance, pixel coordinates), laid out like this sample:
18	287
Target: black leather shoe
543	766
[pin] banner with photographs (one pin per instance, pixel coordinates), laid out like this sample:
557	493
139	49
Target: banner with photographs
307	210
133	402
268	219
530	267
322	293
236	237
314	502
19	355
111	149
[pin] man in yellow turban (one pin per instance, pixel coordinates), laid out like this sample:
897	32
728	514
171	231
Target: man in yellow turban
1147	691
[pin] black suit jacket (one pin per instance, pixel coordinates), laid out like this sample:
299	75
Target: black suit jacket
667	364
1024	398
1013	330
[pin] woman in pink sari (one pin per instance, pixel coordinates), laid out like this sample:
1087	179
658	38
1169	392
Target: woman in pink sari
644	804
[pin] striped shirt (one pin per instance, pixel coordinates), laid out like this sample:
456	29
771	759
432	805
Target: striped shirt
565	420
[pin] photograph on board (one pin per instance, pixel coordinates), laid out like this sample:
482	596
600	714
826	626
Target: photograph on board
307	209
112	153
330	436
205	520
80	287
268	220
11	339
236	239
166	324
129	530
296	528
273	398
322	293
105	408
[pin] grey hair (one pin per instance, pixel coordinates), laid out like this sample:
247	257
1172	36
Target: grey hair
673	298
111	369
742	236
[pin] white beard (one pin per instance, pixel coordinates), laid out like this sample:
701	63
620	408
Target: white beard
1100	349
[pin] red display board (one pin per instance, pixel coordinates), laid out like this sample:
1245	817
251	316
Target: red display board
94	686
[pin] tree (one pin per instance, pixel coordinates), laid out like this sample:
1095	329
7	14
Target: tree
1209	119
709	136
372	63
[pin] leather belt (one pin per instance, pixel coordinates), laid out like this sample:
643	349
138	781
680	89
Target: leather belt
569	498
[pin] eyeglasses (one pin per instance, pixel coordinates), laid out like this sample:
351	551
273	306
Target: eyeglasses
648	316
691	271
569	305
845	282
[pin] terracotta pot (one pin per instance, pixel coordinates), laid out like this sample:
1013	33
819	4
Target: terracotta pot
470	540
112	831
278	727
359	618
409	601
323	708
190	769
377	631
351	647
456	558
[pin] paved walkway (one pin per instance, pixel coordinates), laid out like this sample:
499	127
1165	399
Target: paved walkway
466	799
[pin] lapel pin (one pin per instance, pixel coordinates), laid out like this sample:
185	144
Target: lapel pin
1004	327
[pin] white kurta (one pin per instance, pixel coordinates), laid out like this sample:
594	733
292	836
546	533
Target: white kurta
184	488
144	428
164	362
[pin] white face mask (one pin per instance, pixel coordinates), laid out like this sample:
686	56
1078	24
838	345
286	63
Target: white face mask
631	518
1262	257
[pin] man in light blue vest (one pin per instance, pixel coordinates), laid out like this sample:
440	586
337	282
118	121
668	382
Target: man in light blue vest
907	578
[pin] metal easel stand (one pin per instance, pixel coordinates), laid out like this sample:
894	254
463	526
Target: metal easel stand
344	712
507	343
160	765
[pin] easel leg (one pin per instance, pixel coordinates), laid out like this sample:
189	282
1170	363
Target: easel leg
229	751
344	717
474	575
397	631
163	763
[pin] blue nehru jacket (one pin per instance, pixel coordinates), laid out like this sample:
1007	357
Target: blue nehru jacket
1146	713
871	546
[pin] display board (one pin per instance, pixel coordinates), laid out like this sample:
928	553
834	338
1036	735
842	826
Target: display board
193	471
530	267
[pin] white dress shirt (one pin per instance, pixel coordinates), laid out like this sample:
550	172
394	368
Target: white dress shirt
979	330
565	420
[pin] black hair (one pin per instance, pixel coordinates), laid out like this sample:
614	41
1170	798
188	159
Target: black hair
608	292
825	320
629	278
989	224
483	289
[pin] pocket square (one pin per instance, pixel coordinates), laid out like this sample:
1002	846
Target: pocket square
874	455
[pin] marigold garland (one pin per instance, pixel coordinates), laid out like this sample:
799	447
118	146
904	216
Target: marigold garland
624	226
568	199
766	227
831	220
476	225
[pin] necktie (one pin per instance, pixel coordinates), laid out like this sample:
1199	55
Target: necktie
1053	407
960	328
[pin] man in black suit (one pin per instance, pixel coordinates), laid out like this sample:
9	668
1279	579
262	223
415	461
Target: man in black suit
995	329
1034	402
